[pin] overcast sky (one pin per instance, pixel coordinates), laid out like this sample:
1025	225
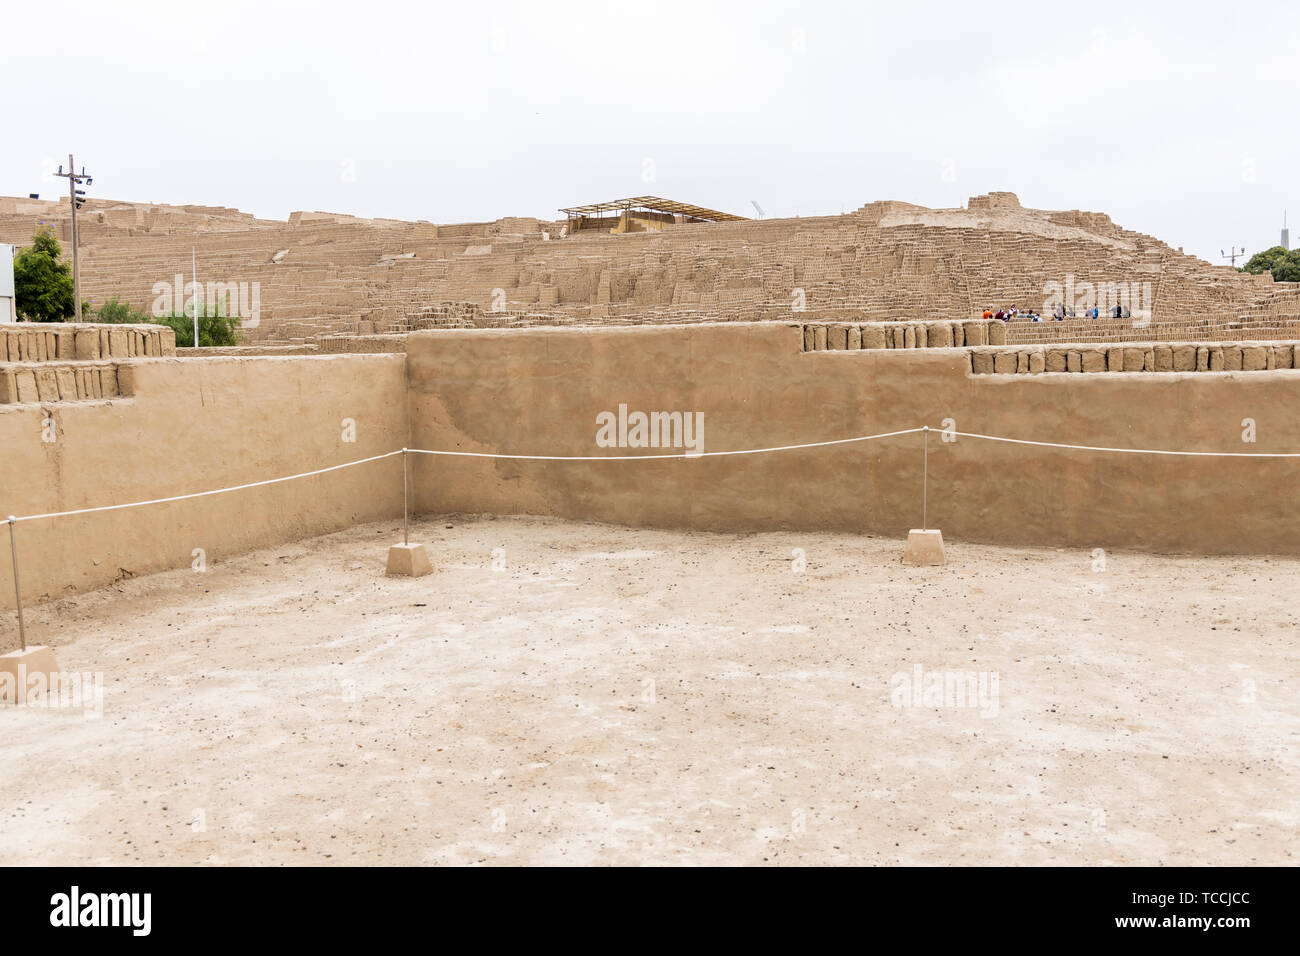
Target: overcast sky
1177	119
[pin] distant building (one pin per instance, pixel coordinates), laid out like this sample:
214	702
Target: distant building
640	214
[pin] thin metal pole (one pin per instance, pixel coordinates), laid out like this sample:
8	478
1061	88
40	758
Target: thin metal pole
18	591
194	269
74	179
925	477
76	265
406	540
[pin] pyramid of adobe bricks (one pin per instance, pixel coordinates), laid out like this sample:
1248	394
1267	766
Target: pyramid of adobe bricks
325	278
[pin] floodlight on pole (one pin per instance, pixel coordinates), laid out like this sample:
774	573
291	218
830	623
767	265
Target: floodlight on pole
1234	255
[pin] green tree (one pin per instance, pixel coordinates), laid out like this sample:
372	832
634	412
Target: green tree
1288	268
43	281
117	312
1283	263
214	328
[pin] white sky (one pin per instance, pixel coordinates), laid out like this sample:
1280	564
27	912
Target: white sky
1177	119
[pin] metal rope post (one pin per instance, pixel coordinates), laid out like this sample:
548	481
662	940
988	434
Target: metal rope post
18	591
925	475
406	540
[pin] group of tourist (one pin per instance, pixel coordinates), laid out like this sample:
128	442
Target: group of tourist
1118	312
1007	314
1060	313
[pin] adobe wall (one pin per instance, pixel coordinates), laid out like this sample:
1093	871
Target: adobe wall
187	425
538	391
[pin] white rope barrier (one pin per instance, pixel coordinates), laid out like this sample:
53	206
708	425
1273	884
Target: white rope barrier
202	494
681	455
13	520
700	454
1130	451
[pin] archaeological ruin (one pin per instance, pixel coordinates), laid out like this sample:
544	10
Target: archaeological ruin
512	337
322	276
582	541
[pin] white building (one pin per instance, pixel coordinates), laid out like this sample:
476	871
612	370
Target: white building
8	307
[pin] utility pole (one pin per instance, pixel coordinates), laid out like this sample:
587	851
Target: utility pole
75	198
194	266
1233	255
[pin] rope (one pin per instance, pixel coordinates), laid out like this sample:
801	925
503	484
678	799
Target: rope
705	454
701	454
1133	451
201	494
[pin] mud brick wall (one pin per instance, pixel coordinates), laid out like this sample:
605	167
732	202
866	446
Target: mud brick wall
361	343
188	425
57	382
516	392
65	341
179	426
836	336
323	274
1137	357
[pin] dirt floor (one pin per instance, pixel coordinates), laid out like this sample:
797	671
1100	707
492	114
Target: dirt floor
611	695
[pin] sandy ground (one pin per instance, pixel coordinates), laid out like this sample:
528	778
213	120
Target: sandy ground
627	696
